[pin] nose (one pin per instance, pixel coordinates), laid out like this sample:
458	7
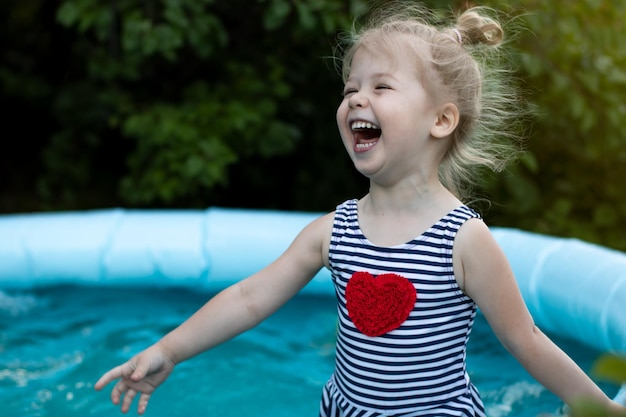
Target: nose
357	99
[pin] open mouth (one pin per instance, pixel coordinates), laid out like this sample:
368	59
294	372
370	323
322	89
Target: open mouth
366	134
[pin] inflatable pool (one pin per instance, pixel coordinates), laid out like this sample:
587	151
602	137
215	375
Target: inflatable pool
573	289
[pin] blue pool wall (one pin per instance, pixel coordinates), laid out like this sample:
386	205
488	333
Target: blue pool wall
572	288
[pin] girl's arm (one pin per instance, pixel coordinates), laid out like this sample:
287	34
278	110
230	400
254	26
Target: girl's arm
248	302
485	275
231	312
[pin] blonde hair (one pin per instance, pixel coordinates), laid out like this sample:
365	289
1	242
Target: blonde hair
463	67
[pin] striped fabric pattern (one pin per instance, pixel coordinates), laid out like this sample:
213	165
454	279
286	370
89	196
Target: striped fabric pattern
418	369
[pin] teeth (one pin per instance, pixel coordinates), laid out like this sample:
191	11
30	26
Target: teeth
364	125
365	145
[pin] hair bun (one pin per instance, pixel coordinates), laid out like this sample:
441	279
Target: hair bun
475	28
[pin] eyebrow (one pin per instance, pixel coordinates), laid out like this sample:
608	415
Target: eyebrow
377	76
383	75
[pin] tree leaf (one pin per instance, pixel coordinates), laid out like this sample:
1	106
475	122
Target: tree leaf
611	368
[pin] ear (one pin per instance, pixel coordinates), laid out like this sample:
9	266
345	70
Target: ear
447	121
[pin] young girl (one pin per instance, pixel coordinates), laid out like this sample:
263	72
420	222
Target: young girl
410	262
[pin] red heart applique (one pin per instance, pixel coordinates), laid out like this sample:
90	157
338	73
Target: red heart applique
378	305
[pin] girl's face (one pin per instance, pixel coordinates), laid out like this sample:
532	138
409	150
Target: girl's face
386	115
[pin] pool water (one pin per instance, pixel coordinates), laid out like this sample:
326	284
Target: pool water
56	342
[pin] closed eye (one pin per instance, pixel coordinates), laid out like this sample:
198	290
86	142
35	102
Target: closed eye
349	92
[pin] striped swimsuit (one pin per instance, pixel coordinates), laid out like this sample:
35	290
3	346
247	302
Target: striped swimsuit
418	368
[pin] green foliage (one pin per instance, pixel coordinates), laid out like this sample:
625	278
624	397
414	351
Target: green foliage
187	140
184	103
572	64
130	31
188	89
610	368
607	367
592	409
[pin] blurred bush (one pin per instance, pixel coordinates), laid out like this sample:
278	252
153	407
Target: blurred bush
193	103
609	368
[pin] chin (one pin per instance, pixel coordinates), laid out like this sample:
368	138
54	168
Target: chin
368	172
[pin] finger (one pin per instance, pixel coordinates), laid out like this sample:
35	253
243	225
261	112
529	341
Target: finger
143	403
140	369
118	390
109	376
128	400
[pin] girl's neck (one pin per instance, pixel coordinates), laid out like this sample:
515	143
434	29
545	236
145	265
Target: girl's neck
408	197
393	216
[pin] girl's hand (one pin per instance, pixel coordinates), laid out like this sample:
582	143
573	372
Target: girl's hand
141	374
